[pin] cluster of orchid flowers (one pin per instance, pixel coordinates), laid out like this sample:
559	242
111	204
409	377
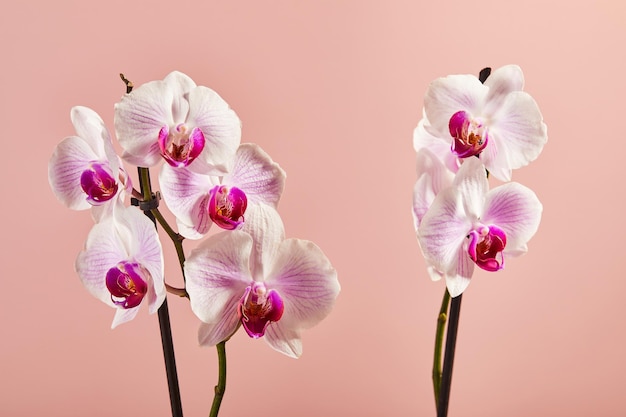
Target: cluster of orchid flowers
248	275
471	130
473	127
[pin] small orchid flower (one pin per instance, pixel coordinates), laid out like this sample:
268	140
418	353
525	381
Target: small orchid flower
84	171
122	264
198	200
273	287
469	225
496	121
173	119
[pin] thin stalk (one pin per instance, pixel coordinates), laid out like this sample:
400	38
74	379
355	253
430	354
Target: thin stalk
176	238
164	316
176	291
441	326
220	388
170	360
448	361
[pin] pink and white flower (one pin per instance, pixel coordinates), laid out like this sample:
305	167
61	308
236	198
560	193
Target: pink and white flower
122	264
495	120
468	224
176	120
84	171
198	200
274	287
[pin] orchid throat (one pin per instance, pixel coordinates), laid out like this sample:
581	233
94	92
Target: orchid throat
469	134
227	206
258	308
486	244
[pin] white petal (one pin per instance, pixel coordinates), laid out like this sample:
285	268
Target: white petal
123	315
70	158
90	127
284	340
186	194
103	250
448	95
443	231
517	210
456	285
265	226
149	158
221	128
145	248
180	85
432	177
472	186
501	82
217	275
189	231
214	333
107	210
139	117
257	175
518	130
434	274
306	281
458	280
439	146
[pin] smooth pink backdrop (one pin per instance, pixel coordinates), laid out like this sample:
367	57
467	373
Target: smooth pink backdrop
332	91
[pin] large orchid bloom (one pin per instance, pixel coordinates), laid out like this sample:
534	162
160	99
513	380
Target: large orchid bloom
468	224
496	121
273	287
198	200
173	119
84	171
122	264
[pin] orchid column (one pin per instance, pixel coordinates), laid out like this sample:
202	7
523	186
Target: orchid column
473	127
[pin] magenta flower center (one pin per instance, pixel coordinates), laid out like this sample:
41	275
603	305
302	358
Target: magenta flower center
127	283
469	134
98	183
258	308
227	206
485	247
180	146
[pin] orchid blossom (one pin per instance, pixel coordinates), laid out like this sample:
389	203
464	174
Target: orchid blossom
198	200
175	120
122	264
496	121
84	171
273	287
467	224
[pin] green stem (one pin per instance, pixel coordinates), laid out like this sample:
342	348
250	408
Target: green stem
164	316
176	238
441	326
220	388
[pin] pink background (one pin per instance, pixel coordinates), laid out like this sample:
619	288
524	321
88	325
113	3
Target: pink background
332	91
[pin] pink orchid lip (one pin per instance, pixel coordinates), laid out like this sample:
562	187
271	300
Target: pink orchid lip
126	283
470	135
227	206
180	147
258	308
98	183
486	245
